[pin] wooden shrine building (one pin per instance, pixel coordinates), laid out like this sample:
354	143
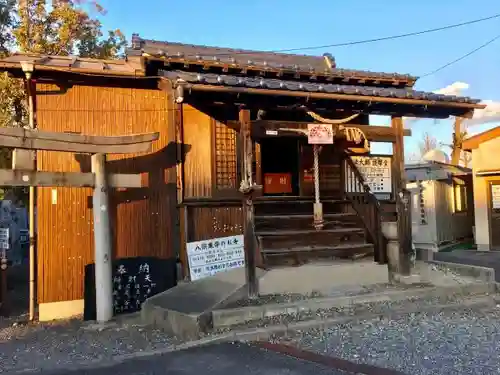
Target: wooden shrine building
201	100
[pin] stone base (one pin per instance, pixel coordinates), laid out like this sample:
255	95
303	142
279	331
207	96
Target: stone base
185	311
408	280
60	310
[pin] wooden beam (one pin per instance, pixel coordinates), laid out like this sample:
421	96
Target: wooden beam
67	142
10	177
374	133
332	96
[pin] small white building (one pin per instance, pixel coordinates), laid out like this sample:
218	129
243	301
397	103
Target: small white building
442	202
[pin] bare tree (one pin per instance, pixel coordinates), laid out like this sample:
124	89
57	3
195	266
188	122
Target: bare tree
427	144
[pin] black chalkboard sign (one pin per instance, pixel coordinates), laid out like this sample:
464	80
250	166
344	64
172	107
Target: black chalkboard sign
134	280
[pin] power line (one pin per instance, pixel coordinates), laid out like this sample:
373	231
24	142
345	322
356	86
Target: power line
366	41
462	57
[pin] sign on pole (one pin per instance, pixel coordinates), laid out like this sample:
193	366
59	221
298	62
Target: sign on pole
320	134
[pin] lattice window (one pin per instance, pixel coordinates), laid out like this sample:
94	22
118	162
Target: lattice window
225	157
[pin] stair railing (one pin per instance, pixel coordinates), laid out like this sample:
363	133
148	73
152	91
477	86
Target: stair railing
366	205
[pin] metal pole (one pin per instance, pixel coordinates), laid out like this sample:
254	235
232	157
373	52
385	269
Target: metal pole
102	241
318	206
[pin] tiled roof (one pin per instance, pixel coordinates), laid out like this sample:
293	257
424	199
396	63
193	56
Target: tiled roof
275	84
74	64
259	60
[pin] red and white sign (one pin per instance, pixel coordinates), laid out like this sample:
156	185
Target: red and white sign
320	134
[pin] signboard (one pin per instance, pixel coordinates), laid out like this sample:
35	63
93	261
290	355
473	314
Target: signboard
134	280
277	183
495	196
206	258
320	134
4	240
376	171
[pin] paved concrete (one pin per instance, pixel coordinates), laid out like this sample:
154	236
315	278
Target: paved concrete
185	311
488	259
222	359
324	277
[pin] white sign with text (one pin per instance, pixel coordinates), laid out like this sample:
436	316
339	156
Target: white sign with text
320	134
208	257
376	171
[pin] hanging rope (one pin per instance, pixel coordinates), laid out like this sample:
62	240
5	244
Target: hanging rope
316	150
319	118
352	134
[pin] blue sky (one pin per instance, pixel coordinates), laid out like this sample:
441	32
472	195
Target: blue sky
281	24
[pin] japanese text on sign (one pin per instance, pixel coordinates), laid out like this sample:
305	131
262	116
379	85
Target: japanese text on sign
320	134
131	287
495	197
4	242
376	171
206	258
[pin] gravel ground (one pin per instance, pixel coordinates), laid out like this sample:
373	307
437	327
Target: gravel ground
342	290
380	308
446	342
53	345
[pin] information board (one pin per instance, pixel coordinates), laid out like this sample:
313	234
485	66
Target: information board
4	238
206	258
4	242
495	196
376	171
134	280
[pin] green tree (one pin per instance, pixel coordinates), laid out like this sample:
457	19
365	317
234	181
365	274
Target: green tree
67	28
61	27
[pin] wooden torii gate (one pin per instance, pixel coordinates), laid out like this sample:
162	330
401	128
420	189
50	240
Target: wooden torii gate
23	173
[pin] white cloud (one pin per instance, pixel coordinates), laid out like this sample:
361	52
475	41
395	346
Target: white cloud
490	114
486	116
455	88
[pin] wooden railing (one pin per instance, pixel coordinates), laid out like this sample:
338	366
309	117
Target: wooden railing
366	205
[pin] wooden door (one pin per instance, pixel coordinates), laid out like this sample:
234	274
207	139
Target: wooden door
495	215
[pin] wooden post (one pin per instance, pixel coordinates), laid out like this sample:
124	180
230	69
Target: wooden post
102	240
404	221
28	69
247	187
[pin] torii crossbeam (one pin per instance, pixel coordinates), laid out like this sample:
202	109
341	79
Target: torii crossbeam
25	174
